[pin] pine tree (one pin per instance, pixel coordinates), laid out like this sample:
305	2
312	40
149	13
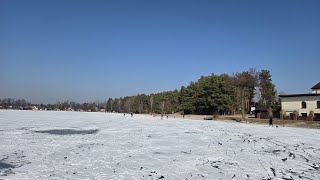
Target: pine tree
267	90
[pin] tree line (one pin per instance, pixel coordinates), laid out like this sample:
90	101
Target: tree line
11	103
212	94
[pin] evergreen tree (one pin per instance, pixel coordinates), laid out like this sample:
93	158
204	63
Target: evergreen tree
267	90
186	99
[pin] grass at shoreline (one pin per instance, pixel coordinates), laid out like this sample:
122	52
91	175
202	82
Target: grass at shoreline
251	119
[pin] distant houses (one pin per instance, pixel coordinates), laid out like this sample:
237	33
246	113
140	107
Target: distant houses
302	106
35	108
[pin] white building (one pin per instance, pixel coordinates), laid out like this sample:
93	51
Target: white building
35	108
302	103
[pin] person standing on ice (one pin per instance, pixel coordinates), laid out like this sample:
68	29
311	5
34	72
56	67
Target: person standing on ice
270	121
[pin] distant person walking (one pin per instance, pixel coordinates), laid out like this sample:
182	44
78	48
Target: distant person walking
167	117
124	114
131	114
270	121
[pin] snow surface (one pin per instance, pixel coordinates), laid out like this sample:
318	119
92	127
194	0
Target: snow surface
146	147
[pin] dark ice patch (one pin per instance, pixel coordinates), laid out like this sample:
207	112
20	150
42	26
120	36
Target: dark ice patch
276	151
193	132
68	131
5	165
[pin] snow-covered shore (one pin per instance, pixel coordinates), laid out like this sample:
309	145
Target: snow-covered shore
79	145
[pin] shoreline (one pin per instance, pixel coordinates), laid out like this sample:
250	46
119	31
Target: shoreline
250	119
232	118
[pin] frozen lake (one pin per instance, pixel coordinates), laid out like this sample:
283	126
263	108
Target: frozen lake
80	145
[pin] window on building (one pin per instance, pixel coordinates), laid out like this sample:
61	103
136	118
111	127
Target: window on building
303	105
304	114
318	104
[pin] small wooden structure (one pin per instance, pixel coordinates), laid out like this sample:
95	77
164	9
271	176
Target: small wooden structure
262	113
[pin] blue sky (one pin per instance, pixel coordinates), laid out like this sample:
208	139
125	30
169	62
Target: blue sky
91	50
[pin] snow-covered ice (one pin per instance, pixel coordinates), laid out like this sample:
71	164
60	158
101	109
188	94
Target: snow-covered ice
80	145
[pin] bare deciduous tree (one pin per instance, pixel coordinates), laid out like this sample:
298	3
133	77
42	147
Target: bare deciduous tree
128	104
162	107
119	105
151	104
245	82
140	106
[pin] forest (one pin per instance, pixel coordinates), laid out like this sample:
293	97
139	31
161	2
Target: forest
212	94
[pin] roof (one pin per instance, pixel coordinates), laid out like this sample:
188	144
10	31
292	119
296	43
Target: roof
262	109
317	86
297	95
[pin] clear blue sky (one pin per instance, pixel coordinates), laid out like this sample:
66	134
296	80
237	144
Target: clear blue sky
90	50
